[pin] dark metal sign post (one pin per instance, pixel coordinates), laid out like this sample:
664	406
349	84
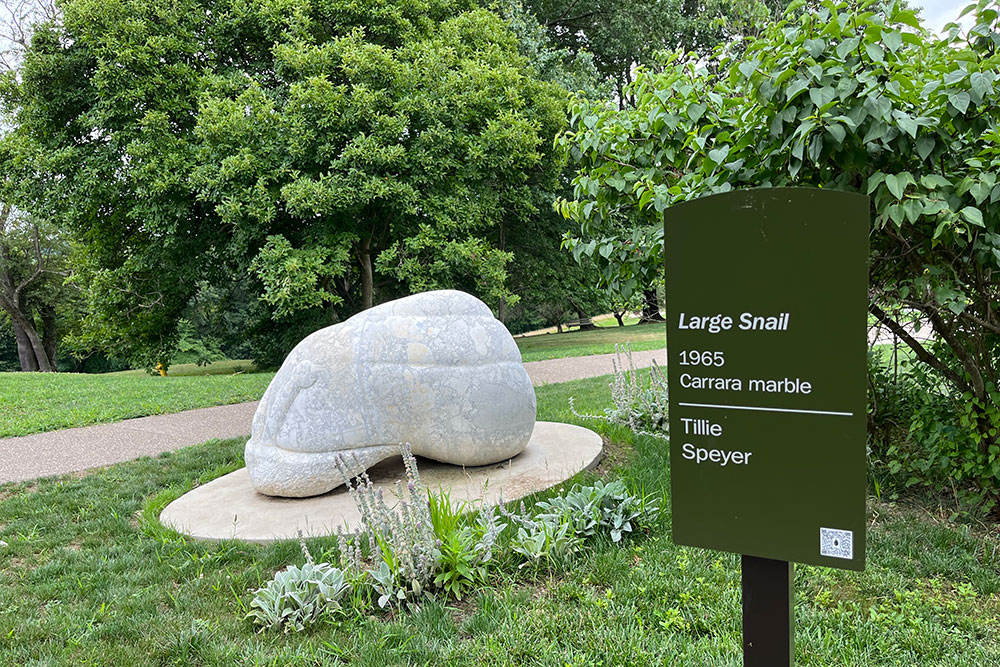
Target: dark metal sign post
768	606
767	301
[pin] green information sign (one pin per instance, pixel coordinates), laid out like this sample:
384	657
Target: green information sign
766	295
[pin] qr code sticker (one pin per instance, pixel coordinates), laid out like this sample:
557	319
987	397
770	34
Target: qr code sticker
836	543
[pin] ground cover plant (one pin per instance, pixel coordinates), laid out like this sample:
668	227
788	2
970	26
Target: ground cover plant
600	341
34	402
431	549
90	578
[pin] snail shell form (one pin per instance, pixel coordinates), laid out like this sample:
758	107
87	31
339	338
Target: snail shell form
435	370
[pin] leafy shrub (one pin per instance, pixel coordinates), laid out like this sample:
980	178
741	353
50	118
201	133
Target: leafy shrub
923	433
192	349
852	96
298	596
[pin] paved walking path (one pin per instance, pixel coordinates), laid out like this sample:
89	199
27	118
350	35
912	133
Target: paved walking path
70	450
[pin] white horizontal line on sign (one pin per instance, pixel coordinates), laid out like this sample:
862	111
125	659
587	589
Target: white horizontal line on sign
754	407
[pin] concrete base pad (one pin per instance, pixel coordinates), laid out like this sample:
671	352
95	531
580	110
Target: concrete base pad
228	508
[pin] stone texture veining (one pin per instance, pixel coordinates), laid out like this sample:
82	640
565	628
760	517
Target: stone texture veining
435	369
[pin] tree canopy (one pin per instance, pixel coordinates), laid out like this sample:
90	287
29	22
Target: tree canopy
623	35
326	148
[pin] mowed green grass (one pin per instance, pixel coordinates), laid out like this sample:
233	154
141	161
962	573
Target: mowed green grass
599	341
36	402
87	578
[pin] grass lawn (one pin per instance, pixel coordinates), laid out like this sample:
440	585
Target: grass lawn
612	322
88	579
598	341
35	402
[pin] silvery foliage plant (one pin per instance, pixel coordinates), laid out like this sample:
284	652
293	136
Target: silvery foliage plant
601	506
402	542
488	528
543	539
298	596
640	397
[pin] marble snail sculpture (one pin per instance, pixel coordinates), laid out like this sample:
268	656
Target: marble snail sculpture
435	370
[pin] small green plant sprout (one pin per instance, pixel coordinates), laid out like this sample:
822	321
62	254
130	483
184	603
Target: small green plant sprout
466	550
639	396
298	596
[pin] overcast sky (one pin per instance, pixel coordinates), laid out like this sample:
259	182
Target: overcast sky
938	12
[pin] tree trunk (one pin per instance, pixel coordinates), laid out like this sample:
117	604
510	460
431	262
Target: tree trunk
619	316
367	279
50	338
650	307
24	352
28	329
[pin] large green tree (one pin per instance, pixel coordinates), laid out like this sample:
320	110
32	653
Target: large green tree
855	97
328	149
32	252
622	35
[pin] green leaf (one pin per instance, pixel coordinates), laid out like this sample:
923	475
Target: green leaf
980	84
972	215
954	76
748	68
796	87
695	111
814	47
906	17
956	307
875	52
719	154
896	185
820	96
837	131
943	225
960	101
874	181
893	40
906	123
933	181
847	46
925	145
912	208
897	214
980	191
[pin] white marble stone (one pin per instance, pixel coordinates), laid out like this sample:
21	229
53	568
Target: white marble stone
436	370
